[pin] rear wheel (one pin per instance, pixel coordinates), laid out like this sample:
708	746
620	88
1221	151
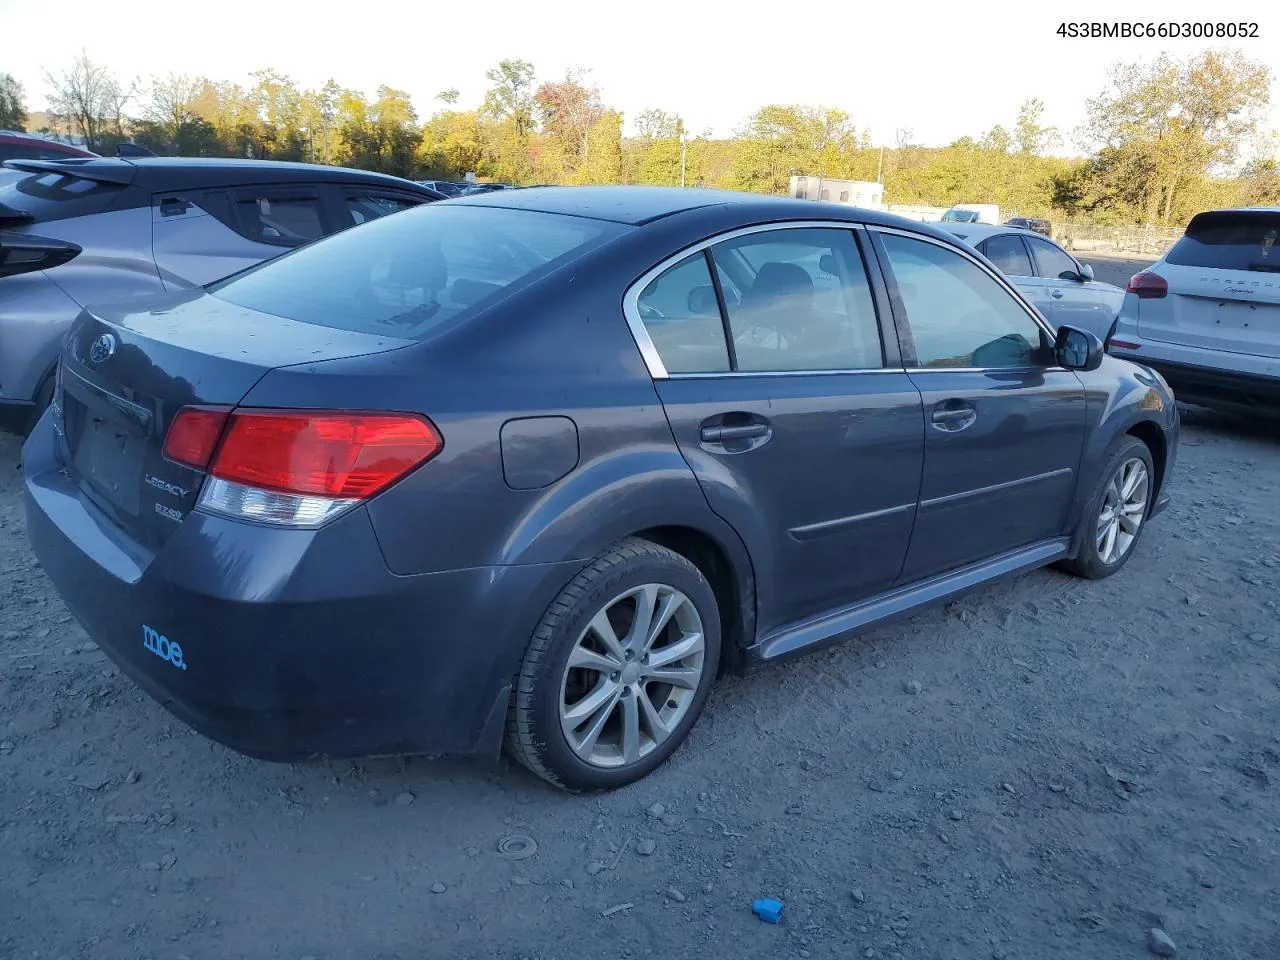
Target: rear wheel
618	670
1117	514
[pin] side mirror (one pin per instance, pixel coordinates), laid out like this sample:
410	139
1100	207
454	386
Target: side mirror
1077	349
1086	273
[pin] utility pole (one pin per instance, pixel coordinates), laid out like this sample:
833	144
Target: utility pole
683	151
880	167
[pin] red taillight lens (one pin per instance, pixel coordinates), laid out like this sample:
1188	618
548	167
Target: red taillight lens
194	434
1148	286
326	454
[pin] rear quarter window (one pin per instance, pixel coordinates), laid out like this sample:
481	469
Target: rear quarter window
1230	241
411	274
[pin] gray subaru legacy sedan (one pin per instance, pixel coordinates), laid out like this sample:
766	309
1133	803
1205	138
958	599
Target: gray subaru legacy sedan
533	467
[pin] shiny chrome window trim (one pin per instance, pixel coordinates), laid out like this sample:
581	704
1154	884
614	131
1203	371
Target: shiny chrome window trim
649	352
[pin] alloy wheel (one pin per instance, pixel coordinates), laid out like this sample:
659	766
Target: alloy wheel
1124	507
632	675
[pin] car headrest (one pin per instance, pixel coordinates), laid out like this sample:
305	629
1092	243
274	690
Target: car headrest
828	264
780	280
702	301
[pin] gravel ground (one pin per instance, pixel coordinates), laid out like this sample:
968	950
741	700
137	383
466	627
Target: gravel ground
1080	762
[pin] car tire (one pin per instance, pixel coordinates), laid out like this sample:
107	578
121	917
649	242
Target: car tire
550	721
43	397
1103	526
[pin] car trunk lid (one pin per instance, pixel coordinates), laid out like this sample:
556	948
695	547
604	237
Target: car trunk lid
1223	281
125	373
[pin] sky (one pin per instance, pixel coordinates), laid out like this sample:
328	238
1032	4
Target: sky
942	70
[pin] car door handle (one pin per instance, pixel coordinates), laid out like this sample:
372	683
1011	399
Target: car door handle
953	418
744	431
1056	294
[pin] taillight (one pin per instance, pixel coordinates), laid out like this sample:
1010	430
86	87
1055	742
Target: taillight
194	434
302	467
1148	286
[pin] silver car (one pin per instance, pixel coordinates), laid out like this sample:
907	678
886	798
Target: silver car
1060	286
1206	315
77	232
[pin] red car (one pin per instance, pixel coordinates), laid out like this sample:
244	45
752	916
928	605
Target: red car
25	146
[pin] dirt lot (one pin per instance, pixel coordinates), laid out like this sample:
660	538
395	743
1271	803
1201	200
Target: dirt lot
1081	762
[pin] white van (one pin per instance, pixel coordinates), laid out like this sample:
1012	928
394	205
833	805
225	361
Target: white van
973	213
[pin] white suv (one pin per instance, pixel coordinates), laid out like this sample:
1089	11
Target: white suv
1206	315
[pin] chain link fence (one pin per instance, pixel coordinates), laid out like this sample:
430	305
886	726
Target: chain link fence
1145	241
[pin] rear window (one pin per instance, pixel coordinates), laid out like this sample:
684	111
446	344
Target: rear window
1234	240
56	196
410	274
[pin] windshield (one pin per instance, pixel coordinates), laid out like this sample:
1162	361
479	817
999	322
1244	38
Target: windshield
409	273
960	216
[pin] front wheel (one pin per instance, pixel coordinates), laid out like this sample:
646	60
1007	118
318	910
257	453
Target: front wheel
618	670
1117	513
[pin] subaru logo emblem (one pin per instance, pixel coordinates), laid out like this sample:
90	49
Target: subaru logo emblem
102	348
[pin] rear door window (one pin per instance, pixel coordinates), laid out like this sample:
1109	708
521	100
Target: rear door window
1009	254
280	216
805	303
1230	240
410	274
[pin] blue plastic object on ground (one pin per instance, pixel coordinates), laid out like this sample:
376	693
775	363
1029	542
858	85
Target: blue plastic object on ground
770	911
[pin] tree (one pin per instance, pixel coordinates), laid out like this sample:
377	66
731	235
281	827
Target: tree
602	156
1162	128
568	110
785	139
172	118
654	124
13	108
1029	136
511	96
449	96
90	99
656	150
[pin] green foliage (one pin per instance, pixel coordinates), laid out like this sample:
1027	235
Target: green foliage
1164	137
1161	129
13	107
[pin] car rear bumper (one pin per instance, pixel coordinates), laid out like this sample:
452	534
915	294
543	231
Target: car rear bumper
286	644
1210	377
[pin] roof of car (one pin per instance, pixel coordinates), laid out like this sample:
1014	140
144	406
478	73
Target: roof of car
19	136
640	205
190	173
979	231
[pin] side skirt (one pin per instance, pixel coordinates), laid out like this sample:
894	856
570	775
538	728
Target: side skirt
814	633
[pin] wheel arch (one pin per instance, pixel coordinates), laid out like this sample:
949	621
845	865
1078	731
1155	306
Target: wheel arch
733	584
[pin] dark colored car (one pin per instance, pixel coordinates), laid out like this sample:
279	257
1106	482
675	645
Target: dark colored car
15	145
73	232
1037	224
449	188
536	465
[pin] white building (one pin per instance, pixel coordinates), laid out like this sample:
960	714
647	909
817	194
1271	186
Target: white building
855	193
